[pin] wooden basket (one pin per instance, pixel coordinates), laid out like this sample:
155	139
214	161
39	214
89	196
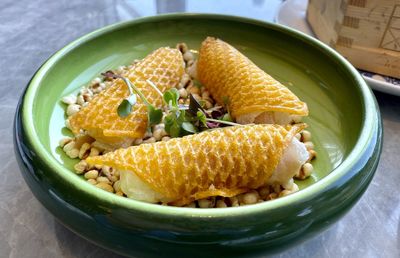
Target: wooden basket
366	32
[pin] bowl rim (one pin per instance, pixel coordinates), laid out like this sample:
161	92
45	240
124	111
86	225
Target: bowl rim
369	121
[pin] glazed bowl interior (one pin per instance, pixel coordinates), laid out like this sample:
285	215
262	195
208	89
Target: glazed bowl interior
336	95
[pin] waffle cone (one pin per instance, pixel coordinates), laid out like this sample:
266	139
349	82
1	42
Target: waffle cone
164	67
225	72
221	162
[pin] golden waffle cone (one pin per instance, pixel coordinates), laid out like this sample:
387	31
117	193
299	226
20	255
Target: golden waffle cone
225	72
223	162
164	67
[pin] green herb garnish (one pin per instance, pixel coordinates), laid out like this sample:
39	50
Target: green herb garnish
221	121
171	125
125	108
180	120
185	120
154	87
196	108
227	103
189	127
176	115
171	97
227	117
202	118
154	115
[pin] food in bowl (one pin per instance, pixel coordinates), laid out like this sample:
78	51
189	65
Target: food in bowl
100	119
255	97
165	106
344	120
223	162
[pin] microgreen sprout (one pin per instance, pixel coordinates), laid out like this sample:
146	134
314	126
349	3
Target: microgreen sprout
154	87
171	98
195	107
177	123
125	108
221	121
180	120
202	118
227	102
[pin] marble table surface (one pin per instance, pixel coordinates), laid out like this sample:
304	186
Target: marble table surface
30	31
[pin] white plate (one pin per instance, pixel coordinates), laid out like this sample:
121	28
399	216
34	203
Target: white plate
292	13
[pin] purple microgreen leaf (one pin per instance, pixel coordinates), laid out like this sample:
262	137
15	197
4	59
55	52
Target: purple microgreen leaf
216	114
194	106
212	125
110	75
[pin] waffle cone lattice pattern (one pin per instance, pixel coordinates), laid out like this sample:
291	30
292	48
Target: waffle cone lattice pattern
227	73
223	162
164	67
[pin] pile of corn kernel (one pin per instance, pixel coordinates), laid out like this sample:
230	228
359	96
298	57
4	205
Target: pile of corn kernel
106	178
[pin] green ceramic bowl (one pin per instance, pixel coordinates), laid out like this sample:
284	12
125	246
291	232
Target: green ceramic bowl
344	120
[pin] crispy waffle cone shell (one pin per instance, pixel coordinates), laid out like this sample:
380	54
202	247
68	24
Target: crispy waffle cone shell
225	72
221	162
164	67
